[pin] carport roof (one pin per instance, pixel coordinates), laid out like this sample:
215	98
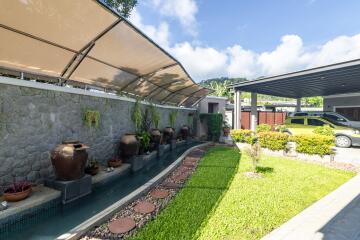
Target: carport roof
339	78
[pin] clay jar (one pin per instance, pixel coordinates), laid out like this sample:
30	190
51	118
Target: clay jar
129	145
155	136
69	160
185	130
168	134
226	131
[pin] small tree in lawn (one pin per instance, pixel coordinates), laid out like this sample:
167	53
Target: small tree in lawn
254	153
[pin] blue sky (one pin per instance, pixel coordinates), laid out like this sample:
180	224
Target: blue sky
252	38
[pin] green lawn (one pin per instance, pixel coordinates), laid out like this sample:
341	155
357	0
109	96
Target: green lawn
219	202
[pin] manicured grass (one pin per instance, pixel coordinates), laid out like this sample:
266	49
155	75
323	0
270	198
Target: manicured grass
219	202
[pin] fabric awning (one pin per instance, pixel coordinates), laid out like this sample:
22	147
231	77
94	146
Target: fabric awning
85	41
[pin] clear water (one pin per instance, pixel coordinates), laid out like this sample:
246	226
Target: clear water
69	216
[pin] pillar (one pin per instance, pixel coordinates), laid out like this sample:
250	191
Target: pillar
237	110
298	105
254	114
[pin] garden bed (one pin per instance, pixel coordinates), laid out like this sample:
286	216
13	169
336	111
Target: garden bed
151	200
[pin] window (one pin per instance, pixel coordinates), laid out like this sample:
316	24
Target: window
297	121
333	117
315	122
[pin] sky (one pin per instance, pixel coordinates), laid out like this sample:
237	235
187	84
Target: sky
252	38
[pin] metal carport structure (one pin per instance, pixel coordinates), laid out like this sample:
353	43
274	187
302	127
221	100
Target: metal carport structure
339	78
85	42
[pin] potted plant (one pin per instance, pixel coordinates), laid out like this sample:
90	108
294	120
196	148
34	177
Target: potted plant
115	162
17	191
169	132
155	132
144	139
129	144
226	129
93	167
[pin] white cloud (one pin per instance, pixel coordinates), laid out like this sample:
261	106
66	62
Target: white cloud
182	10
200	62
160	34
204	62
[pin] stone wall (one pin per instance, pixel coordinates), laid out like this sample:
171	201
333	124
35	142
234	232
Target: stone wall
35	117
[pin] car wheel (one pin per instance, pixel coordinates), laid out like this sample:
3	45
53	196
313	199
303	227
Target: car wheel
343	141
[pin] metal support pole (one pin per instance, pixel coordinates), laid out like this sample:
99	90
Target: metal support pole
237	108
298	105
254	112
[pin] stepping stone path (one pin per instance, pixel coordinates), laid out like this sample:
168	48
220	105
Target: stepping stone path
159	194
121	225
188	164
183	169
171	185
181	177
144	207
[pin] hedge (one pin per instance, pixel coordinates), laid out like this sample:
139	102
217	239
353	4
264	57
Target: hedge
314	144
324	130
242	135
263	128
273	140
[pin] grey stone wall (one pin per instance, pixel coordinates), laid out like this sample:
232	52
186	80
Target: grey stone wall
33	121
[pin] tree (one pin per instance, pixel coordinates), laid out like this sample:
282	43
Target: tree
124	7
314	101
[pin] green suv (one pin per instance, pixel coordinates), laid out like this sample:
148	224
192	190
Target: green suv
344	136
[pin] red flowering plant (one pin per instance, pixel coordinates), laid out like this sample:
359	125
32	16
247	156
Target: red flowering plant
18	186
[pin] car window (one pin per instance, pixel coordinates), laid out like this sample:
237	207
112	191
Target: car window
315	122
297	121
333	117
300	114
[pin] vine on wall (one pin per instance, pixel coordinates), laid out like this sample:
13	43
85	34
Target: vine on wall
92	118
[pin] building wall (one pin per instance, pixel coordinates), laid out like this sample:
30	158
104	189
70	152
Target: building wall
331	102
35	117
203	108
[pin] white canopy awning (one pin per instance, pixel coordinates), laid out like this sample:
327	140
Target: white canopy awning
84	41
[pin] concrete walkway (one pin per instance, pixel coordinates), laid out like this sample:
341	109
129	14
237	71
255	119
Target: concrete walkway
334	217
348	155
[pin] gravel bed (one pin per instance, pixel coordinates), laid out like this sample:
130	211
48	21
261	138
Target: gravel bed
102	231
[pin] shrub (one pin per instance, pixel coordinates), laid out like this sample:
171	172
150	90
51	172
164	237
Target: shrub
214	124
254	153
324	130
273	140
281	128
263	128
242	136
314	144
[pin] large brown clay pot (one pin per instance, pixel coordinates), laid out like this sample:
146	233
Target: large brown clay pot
168	134
155	136
185	132
69	160
226	131
129	145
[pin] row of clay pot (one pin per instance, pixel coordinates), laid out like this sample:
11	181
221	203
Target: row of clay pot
69	158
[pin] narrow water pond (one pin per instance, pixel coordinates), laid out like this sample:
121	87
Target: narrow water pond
58	220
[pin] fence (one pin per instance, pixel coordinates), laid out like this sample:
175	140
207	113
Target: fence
271	118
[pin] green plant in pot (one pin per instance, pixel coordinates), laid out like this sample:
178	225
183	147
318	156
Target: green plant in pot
155	132
92	167
144	139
